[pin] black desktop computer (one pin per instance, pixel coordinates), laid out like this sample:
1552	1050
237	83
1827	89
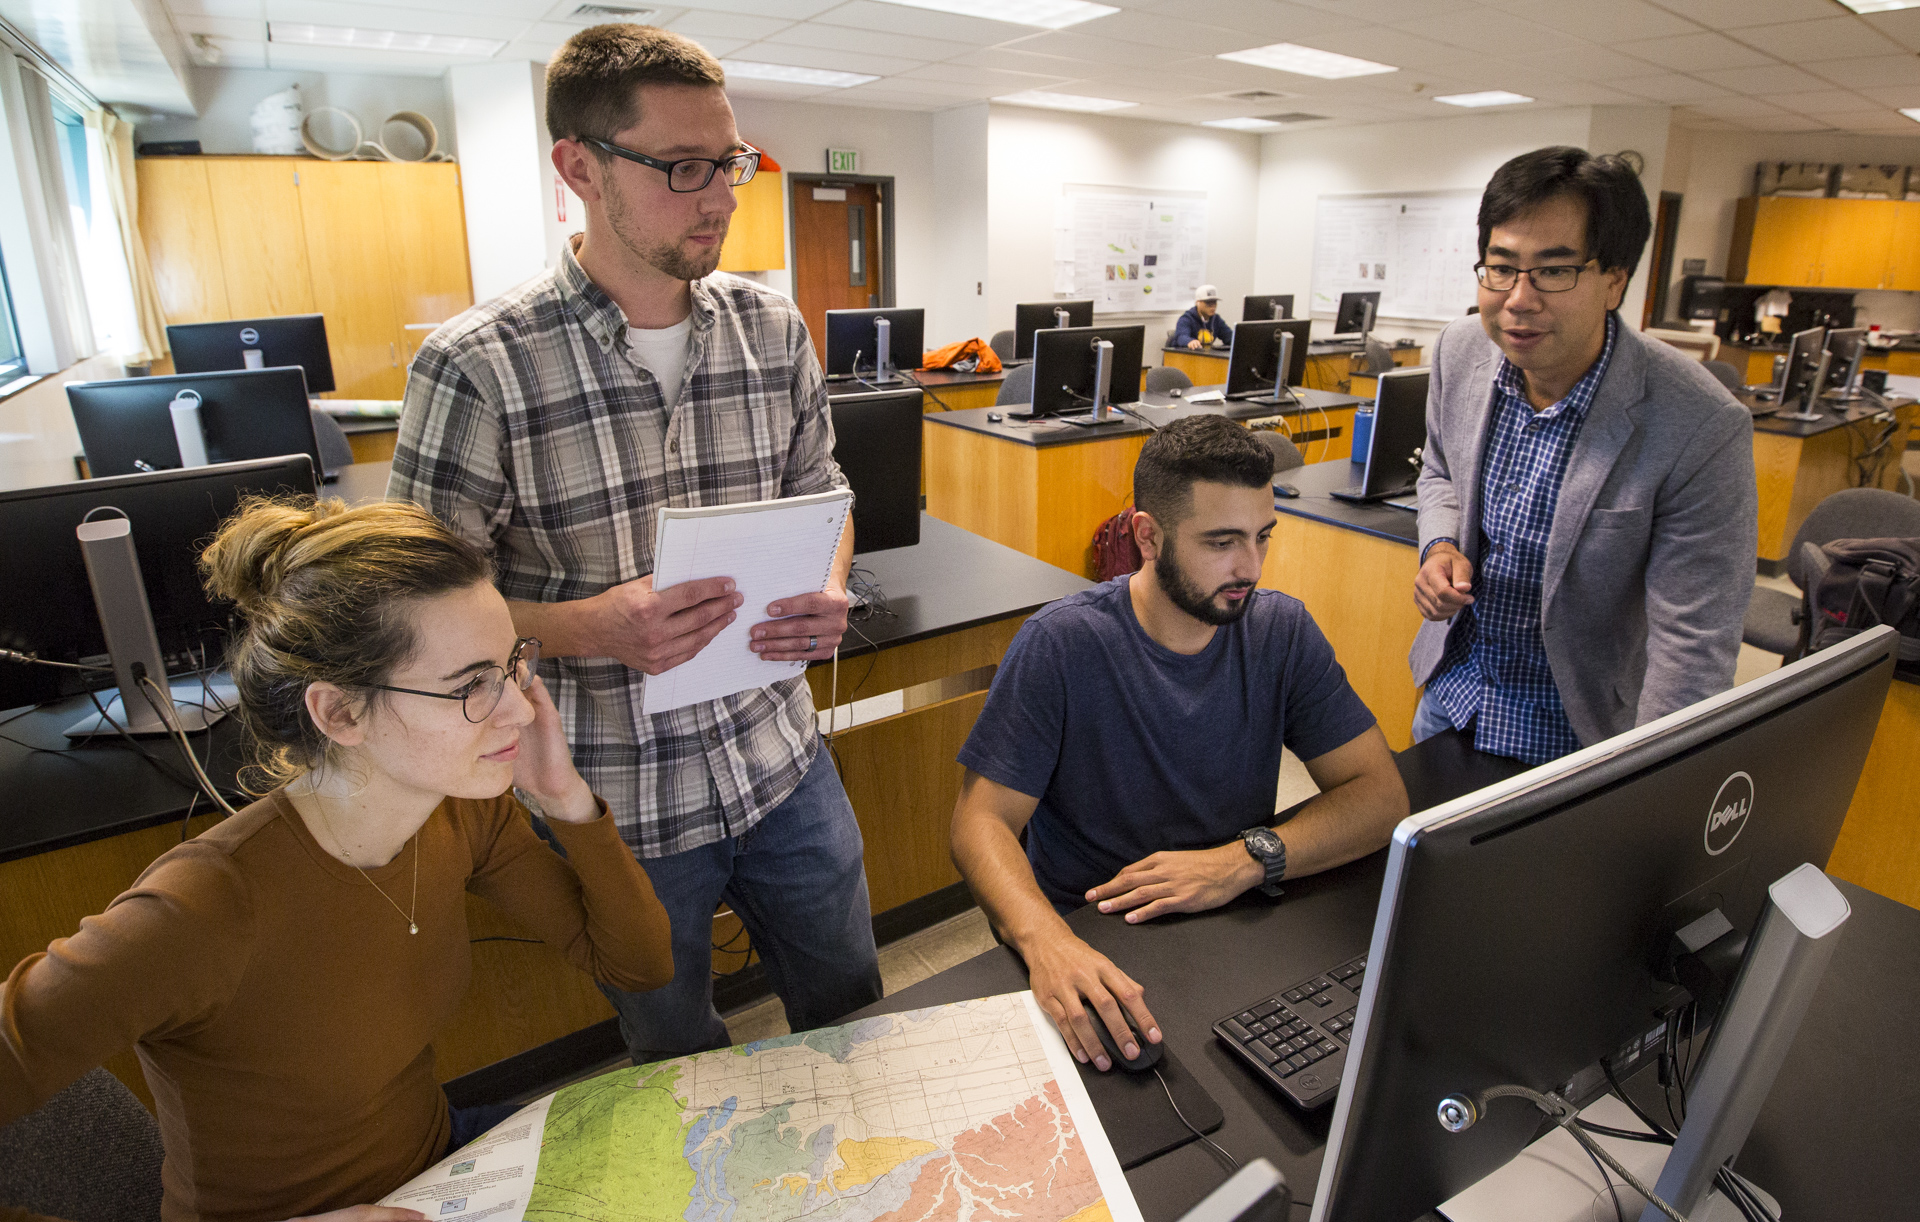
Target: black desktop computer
1032	316
854	344
1254	371
1846	347
876	441
255	343
1266	307
1399	435
1080	373
1356	314
1801	375
131	425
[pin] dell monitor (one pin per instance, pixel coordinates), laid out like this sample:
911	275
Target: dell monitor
876	441
47	605
1847	347
1800	375
1264	308
1031	316
854	348
1356	313
1253	364
1079	373
189	420
1533	934
1399	435
255	343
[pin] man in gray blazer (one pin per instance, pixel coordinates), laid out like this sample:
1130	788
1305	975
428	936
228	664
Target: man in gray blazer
1587	502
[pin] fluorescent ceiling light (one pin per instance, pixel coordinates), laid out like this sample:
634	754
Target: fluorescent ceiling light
1490	97
1244	125
1307	61
1048	14
299	34
791	75
1912	112
1879	6
1062	101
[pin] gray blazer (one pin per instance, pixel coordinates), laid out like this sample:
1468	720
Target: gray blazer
1650	560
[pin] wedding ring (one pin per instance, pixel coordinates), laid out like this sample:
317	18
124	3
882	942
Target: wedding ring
813	643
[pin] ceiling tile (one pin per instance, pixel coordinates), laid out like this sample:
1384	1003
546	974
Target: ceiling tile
745	88
998	77
1669	87
922	23
1155	30
1737	108
387	17
1785	123
1389	11
867	42
217	8
288	57
1611	22
789	10
1013	60
1488	31
240	29
1820	102
1094	50
1903	27
1873	70
1693	52
822	57
1588	62
1799	42
1898	97
1889	122
698	25
1735	14
1265	21
1586	93
1777	78
1399	47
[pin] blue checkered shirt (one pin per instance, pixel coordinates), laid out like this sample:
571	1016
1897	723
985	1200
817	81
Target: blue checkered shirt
1495	666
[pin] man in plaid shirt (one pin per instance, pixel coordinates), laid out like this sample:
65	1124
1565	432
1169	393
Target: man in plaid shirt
550	426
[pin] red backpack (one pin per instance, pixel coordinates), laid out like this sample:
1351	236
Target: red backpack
1114	551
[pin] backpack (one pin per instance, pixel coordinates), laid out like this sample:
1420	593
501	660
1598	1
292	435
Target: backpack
1857	584
965	356
1115	553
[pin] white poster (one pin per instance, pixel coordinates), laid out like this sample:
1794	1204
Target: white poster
1416	251
1131	253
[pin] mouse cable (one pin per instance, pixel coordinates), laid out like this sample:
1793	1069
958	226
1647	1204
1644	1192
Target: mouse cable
1231	1160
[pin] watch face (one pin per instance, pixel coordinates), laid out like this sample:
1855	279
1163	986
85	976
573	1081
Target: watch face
1263	842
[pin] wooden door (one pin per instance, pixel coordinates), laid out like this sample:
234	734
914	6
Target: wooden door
1853	250
836	251
427	239
342	205
757	237
183	243
1903	248
263	246
1788	235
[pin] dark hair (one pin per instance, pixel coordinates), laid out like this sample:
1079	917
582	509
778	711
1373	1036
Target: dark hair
1196	448
591	81
325	593
1618	220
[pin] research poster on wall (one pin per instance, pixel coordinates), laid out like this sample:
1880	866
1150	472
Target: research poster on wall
1416	251
1130	253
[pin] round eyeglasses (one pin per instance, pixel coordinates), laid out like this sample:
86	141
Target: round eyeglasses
688	174
480	695
1557	278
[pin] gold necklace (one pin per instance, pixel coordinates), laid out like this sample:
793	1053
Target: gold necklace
413	905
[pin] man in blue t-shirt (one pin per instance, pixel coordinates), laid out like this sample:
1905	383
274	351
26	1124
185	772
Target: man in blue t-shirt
1134	731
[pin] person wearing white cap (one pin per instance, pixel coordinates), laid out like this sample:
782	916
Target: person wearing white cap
1201	326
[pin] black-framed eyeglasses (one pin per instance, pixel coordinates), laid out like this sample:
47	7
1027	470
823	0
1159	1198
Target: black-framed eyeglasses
687	174
480	695
1556	278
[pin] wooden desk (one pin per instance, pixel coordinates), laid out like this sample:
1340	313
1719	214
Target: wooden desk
1207	367
1879	845
1330	366
948	390
1797	465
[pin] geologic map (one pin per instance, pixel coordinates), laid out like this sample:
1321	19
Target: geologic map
970	1112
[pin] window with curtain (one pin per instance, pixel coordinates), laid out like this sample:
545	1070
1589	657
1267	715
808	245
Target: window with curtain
13	361
96	233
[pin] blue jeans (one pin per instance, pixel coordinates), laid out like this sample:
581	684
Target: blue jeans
796	881
1429	718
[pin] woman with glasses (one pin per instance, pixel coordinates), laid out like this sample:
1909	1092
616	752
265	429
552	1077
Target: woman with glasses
283	975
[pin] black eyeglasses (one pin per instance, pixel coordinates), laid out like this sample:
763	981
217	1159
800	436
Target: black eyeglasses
480	695
1557	278
686	174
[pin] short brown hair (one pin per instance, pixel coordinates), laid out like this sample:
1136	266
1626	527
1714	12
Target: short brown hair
591	82
1195	448
324	594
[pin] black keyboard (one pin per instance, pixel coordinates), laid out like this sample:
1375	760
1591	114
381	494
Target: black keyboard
1297	1039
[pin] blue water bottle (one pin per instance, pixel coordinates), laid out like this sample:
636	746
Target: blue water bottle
1362	431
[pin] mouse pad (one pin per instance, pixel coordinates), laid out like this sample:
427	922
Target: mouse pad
1134	1110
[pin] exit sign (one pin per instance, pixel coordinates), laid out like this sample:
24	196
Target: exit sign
843	161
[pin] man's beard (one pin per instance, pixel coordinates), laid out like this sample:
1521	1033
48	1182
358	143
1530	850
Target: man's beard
1189	597
668	258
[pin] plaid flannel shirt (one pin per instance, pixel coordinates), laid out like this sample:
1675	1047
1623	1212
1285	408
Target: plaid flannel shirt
532	431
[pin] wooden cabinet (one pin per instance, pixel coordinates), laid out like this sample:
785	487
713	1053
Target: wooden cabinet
1826	243
379	248
757	236
1904	274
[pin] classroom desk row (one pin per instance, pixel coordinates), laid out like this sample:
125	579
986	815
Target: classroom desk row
1330	365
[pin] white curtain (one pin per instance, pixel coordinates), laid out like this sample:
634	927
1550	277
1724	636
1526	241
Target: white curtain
65	279
120	288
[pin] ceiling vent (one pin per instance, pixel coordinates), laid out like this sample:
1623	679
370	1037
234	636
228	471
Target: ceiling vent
1294	117
1259	95
613	12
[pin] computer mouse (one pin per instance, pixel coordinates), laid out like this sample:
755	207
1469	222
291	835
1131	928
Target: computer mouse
1286	490
994	417
1149	1053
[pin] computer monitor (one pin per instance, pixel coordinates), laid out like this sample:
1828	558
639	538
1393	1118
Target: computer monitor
47	604
1065	365
128	425
255	343
1399	434
853	342
1253	363
1797	376
1270	306
1356	313
1847	346
1031	316
876	441
1530	932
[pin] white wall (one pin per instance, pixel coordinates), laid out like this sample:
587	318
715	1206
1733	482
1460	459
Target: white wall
227	96
505	176
1032	154
959	226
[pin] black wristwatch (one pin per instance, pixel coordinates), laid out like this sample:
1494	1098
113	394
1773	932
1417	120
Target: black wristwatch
1271	852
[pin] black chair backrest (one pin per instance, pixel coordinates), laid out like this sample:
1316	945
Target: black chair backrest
335	450
1728	375
1002	345
1163	378
1286	455
1016	387
1854	513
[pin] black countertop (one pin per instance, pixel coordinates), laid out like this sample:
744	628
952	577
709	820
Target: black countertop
1159	410
1316	480
1849	414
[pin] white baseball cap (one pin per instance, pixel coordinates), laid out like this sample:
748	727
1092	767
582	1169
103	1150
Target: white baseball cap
1206	292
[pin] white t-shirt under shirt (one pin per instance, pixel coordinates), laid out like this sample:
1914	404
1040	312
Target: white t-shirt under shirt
663	353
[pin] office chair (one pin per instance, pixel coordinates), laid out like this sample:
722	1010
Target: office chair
91	1153
1379	357
1164	378
1728	375
1772	619
1286	455
1002	345
335	450
1016	387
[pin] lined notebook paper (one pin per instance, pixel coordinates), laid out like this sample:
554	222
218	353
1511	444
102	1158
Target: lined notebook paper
772	550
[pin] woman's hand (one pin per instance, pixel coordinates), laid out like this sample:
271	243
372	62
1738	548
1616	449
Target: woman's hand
545	768
366	1213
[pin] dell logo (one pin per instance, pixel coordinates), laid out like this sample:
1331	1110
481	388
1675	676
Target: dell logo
1727	816
249	336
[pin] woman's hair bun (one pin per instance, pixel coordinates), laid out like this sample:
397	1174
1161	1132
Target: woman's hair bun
254	551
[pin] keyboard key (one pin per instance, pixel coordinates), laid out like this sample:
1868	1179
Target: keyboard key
1237	1031
1346	1015
1265	1008
1247	1017
1296	1063
1295	995
1322	1000
1299	1044
1344	1036
1259	1028
1267	1055
1326	1047
1314	1055
1282	1070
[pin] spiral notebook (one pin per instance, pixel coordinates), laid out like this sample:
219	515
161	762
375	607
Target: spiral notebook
772	550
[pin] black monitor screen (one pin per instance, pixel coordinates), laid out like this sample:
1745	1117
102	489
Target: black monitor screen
255	343
1272	305
245	414
1063	366
46	602
1356	313
876	441
1399	431
1848	345
1803	358
1031	316
853	340
1251	366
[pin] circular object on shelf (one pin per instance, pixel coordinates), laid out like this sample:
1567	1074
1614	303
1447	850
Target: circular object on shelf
408	135
325	141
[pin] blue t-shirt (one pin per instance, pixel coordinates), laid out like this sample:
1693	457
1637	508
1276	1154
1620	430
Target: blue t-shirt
1132	748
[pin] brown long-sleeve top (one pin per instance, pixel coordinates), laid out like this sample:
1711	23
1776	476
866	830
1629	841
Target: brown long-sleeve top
282	1013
